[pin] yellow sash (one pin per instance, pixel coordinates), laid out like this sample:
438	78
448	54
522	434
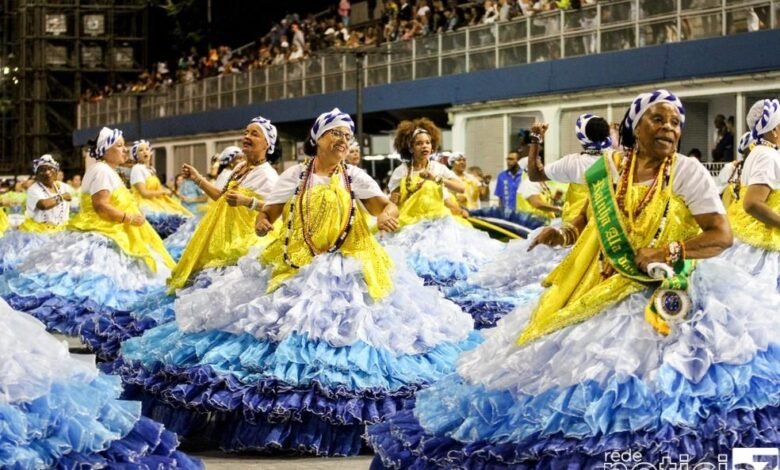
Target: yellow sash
3	222
31	226
135	241
161	204
425	203
329	207
577	291
750	230
224	235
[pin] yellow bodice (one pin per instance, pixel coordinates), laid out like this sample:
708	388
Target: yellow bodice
161	204
225	234
328	209
523	205
3	222
31	226
574	201
425	203
470	197
576	290
141	242
750	230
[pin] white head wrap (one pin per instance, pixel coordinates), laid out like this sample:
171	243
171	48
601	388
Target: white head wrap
744	144
269	131
645	101
45	160
768	120
137	146
105	140
330	120
229	154
582	136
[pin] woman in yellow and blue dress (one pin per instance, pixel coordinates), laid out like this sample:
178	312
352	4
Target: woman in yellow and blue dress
755	212
107	259
230	157
514	276
48	211
611	359
60	412
440	248
165	213
222	236
324	333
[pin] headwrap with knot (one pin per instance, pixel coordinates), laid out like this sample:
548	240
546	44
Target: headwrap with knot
768	120
582	136
330	120
106	139
744	143
644	101
137	146
229	154
45	160
269	131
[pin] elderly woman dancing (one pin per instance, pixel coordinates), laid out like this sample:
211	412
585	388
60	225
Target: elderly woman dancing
108	258
48	210
663	367
323	334
164	212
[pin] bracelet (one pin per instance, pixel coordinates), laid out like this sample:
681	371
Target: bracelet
124	216
536	138
58	198
673	253
253	204
438	180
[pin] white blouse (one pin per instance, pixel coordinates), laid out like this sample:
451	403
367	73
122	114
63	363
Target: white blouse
435	168
762	166
363	185
57	215
139	174
101	177
690	180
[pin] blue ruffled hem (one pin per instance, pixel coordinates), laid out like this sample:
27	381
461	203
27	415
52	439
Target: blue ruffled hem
485	305
59	314
401	442
438	272
177	242
234	431
296	360
469	412
82	423
165	224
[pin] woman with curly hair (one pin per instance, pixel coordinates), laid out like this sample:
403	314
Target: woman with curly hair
439	248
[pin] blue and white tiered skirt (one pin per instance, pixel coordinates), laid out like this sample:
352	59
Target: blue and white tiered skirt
443	251
59	412
303	368
610	383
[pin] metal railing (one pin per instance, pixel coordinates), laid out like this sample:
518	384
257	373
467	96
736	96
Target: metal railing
608	26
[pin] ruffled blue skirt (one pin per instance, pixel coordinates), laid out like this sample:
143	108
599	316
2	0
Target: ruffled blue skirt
303	368
75	276
511	279
611	383
443	251
59	412
177	242
165	224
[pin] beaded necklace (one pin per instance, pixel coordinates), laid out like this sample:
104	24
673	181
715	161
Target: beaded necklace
61	206
763	141
235	177
410	166
298	198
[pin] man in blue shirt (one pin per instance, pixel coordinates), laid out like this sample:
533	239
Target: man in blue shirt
508	181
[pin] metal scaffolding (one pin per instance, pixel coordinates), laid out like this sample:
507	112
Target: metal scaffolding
56	49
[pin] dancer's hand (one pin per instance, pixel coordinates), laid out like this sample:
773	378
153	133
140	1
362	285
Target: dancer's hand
236	199
549	236
262	224
645	256
387	222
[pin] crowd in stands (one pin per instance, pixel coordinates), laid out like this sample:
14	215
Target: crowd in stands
296	37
